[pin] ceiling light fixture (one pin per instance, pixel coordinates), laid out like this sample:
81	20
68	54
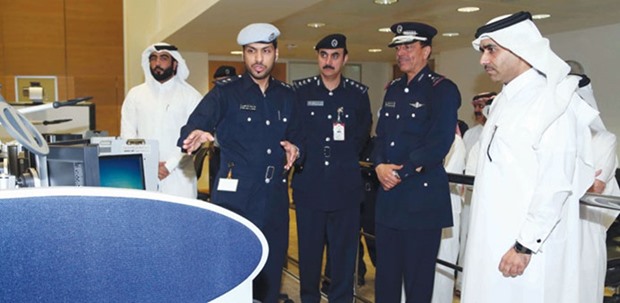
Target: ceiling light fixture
385	2
316	24
375	50
385	30
452	34
468	9
236	52
540	16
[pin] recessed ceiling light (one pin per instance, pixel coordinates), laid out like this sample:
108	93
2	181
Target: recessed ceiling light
454	34
375	50
385	30
540	16
236	52
385	2
316	24
468	9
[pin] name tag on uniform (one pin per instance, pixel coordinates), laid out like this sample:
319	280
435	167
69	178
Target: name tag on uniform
247	107
338	131
227	184
315	103
390	103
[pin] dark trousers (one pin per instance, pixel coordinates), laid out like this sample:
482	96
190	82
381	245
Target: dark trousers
407	256
267	283
341	229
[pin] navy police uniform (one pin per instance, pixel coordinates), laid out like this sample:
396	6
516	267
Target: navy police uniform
327	188
249	128
416	128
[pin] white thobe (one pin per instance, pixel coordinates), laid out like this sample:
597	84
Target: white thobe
595	221
158	111
528	190
449	245
471	136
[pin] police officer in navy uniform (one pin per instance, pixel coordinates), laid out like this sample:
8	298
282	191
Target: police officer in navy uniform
414	133
253	116
327	188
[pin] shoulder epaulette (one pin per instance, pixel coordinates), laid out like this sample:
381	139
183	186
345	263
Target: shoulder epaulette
393	82
227	80
362	88
283	83
302	82
435	78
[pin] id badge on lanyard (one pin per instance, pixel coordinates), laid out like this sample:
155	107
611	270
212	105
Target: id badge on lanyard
338	127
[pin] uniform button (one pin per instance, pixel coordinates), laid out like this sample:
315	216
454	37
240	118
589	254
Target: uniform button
327	139
267	122
283	180
538	241
311	113
283	119
387	114
397	116
346	116
425	184
406	89
249	119
413	115
269	151
326	163
267	180
392	143
329	116
331	94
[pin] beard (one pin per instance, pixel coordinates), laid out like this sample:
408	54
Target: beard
165	74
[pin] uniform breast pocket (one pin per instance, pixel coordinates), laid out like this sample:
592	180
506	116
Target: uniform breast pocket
415	118
247	122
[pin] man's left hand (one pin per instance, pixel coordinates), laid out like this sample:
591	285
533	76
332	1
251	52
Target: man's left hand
292	153
513	263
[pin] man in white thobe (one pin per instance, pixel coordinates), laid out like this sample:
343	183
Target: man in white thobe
449	246
534	164
479	101
157	109
595	220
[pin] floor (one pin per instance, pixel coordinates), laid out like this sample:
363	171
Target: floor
290	280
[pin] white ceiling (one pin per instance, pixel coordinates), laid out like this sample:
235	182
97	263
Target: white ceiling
215	30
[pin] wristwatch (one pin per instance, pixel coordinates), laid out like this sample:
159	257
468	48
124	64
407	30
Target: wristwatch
522	249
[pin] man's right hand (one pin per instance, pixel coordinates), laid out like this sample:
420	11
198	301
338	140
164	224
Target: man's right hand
388	175
195	140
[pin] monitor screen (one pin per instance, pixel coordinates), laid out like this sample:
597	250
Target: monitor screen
124	171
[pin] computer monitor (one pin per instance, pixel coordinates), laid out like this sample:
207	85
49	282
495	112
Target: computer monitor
73	165
122	171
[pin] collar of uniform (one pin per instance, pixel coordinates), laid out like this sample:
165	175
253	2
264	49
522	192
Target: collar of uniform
248	81
319	82
418	77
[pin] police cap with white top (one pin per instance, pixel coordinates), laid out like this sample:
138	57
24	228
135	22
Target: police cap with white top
409	32
258	33
332	41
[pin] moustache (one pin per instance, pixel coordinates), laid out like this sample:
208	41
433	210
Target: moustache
328	67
